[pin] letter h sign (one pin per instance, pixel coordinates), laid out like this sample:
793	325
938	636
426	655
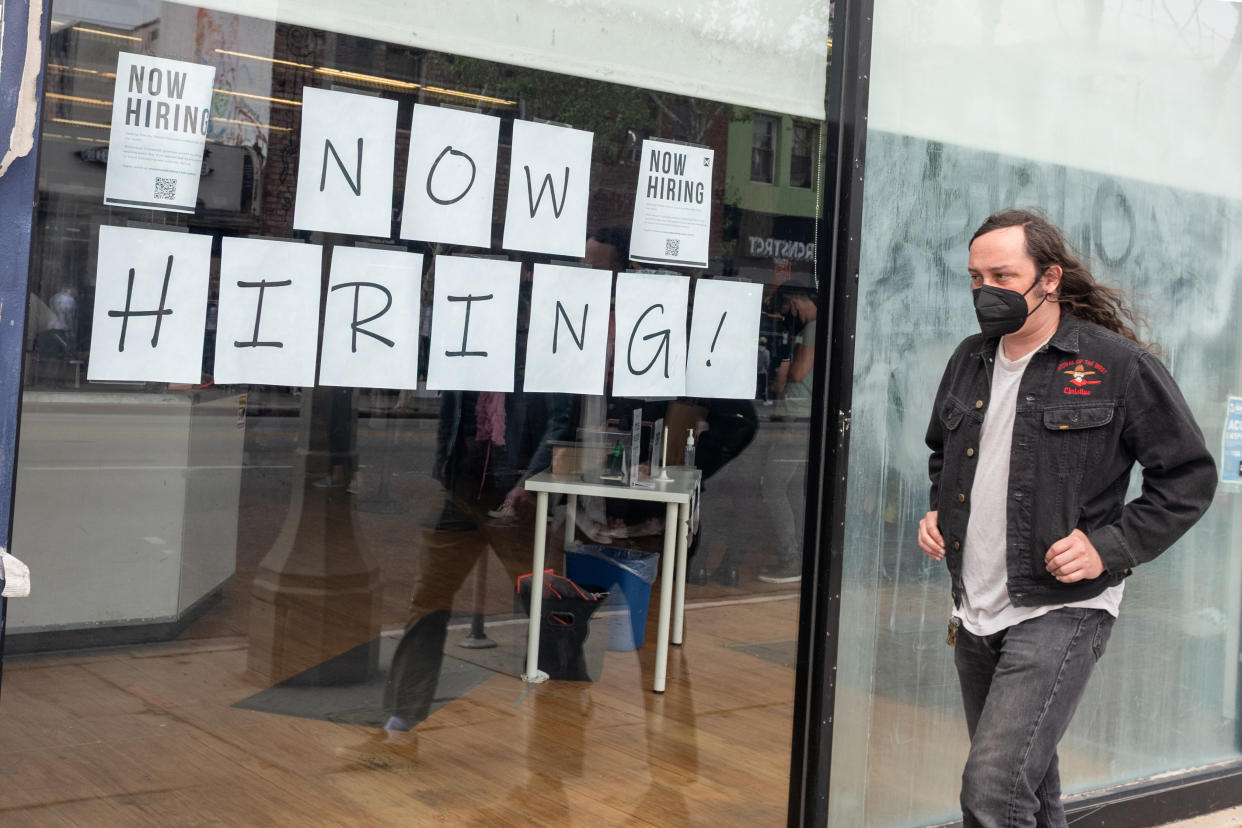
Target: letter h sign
150	306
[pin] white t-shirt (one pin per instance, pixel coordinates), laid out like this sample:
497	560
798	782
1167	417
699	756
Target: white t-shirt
985	607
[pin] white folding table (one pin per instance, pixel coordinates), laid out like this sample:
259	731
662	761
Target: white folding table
677	494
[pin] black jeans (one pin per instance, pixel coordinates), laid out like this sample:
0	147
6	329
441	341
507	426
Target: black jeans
1020	688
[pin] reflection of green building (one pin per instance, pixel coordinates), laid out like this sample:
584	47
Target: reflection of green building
771	189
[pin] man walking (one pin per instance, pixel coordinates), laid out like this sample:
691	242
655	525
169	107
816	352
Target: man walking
1038	422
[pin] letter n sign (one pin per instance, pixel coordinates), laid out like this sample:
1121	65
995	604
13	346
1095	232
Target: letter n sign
345	163
150	306
567	341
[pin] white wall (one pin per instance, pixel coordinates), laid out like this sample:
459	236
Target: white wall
1135	88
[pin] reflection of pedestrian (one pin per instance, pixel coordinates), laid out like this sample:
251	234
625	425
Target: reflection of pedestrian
1034	432
449	549
793	378
785	472
765	358
731	427
64	307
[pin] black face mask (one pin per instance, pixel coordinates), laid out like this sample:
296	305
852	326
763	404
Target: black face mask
1002	311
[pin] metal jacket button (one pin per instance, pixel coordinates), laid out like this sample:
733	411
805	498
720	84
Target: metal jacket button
978	403
970	452
961	498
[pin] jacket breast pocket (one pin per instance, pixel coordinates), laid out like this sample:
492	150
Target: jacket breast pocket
1075	438
951	413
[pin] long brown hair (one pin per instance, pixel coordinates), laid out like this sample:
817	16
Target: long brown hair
1080	294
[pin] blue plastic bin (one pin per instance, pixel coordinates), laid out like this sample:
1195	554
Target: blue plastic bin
627	574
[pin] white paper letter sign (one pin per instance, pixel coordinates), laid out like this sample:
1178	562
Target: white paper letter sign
345	163
567	346
451	177
649	355
370	325
150	306
673	206
473	324
724	340
160	118
267	329
549	181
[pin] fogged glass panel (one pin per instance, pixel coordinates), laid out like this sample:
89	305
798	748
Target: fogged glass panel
291	590
1164	697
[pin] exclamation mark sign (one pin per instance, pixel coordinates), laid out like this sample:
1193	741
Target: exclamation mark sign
716	337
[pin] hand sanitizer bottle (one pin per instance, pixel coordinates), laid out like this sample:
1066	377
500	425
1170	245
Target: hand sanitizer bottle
689	447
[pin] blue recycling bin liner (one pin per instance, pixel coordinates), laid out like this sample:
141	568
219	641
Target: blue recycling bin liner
627	574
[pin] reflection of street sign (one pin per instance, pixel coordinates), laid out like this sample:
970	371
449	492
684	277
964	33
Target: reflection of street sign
1231	442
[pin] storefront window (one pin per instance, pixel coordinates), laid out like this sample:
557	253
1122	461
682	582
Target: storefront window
1050	92
291	591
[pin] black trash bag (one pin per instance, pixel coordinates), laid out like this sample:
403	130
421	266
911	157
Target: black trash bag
565	627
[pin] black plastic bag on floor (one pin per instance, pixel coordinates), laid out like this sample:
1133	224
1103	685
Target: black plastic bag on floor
566	650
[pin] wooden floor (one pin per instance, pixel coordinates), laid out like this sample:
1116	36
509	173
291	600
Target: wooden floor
149	736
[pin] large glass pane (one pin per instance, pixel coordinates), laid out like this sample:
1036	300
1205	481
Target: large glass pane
270	602
1086	112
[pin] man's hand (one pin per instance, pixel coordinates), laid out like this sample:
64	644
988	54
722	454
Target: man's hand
930	539
1074	558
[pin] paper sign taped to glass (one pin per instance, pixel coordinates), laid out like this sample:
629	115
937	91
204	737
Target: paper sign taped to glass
160	116
1231	442
151	302
673	205
14	576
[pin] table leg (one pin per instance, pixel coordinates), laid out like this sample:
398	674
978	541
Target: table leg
571	517
679	597
667	570
533	674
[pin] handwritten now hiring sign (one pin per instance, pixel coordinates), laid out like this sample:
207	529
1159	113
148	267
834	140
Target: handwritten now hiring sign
150	313
345	175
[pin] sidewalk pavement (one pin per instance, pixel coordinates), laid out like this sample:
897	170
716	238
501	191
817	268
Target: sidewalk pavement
1231	818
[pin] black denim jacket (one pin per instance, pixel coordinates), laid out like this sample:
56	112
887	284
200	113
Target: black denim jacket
1090	404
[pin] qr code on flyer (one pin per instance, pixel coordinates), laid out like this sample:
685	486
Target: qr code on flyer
672	247
165	189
